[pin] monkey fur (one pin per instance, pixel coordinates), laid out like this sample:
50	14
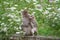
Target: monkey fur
29	25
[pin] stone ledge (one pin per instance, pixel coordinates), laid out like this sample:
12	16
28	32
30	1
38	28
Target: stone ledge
34	38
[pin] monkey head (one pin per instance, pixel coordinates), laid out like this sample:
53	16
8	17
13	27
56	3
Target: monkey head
25	13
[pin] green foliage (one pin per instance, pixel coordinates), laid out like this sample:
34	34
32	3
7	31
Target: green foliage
47	14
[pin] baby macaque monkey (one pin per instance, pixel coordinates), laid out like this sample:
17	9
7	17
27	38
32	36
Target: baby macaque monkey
34	25
29	25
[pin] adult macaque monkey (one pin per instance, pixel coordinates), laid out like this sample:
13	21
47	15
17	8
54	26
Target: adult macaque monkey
29	25
26	26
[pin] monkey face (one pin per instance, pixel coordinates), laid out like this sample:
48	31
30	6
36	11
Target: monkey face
25	13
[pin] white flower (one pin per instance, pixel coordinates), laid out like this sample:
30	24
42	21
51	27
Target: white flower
55	18
34	3
58	15
4	29
5	25
37	16
51	1
20	27
28	1
2	23
38	7
53	12
31	9
11	15
6	2
2	18
33	13
46	12
58	9
11	8
49	5
53	25
56	0
49	8
11	37
16	28
50	15
15	5
35	0
21	10
17	11
17	32
41	0
17	20
9	20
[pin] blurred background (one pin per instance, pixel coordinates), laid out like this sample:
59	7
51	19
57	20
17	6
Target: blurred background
46	12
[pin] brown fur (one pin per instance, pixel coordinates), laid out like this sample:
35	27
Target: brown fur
27	21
